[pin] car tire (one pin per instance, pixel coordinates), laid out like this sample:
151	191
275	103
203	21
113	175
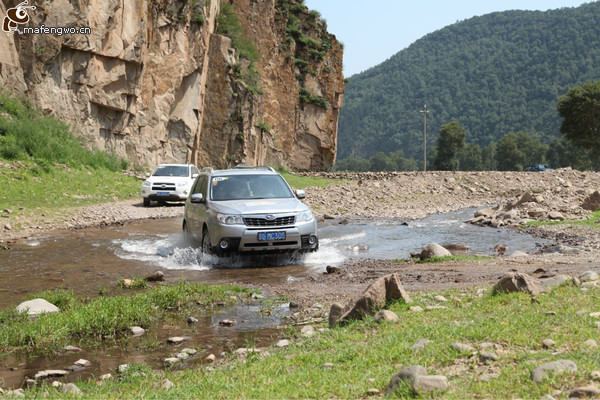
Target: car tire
206	245
187	234
146	202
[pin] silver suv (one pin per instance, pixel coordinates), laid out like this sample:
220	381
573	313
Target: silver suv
248	210
169	182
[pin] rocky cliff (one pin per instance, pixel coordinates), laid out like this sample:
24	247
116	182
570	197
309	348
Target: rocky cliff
252	81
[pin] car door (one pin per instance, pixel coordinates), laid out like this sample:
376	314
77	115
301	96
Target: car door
195	212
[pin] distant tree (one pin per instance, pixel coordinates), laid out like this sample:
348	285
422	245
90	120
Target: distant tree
403	163
352	164
510	158
450	142
470	158
488	157
381	162
580	110
564	153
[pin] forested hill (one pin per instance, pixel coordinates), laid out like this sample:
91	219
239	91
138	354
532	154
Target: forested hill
492	74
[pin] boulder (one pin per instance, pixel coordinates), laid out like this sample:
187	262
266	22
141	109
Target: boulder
518	282
37	306
434	250
408	374
538	374
373	299
592	202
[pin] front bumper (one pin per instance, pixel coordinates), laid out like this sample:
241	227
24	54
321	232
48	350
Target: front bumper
245	239
164	195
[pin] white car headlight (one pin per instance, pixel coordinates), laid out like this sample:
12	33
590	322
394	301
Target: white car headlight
304	216
230	219
147	183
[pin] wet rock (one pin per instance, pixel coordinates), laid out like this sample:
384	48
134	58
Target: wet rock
538	374
50	373
182	356
72	349
434	250
178	339
171	360
332	270
37	306
228	322
158	276
382	290
192	320
210	358
518	282
83	363
294	304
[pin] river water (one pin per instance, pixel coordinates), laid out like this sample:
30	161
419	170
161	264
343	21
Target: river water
91	260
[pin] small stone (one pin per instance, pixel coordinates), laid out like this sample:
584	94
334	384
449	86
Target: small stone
332	270
178	339
71	389
585	391
328	365
182	356
373	392
73	349
595	375
307	331
484	357
105	377
590	343
589	276
189	351
83	363
538	374
192	320
256	296
137	331
548	343
429	383
167	384
386	316
123	368
420	344
283	343
228	322
462	348
441	298
416	309
171	360
210	359
293	304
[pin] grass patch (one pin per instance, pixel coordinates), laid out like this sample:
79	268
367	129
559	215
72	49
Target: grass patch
102	316
593	221
367	354
30	192
302	182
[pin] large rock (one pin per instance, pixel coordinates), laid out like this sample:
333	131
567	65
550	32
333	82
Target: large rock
374	298
592	202
434	250
37	306
518	282
541	372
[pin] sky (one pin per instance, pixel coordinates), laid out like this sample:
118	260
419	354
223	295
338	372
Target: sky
373	31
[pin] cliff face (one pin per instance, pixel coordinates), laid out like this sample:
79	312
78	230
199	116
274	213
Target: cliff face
155	82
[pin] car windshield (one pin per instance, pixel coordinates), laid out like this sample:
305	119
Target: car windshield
171	170
246	187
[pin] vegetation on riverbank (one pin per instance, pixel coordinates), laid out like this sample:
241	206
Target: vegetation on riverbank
348	362
98	318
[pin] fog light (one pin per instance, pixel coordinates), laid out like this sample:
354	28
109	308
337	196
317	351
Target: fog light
224	244
312	239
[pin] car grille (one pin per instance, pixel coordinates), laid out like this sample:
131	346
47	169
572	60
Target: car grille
273	222
163	186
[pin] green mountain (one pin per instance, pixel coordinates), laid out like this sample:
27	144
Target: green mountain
493	74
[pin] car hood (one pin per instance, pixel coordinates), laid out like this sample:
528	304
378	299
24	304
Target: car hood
260	206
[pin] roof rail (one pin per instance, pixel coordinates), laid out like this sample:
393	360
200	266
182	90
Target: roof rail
210	170
260	168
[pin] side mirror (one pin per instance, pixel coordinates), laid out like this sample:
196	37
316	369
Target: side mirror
194	176
300	194
147	174
197	198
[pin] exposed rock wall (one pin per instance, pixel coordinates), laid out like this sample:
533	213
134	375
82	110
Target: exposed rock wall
154	82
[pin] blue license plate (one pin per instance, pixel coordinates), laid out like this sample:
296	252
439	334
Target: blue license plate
163	193
271	235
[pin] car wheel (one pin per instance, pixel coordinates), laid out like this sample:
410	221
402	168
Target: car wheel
146	202
206	246
186	233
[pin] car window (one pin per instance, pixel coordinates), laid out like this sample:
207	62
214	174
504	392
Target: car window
171	170
245	187
200	186
195	170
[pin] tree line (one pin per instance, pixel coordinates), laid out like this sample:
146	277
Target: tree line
579	147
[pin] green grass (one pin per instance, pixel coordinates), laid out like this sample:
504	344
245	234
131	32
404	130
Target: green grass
367	354
302	182
103	316
592	221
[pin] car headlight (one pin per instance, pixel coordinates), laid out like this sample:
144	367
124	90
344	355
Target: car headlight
304	216
230	219
147	183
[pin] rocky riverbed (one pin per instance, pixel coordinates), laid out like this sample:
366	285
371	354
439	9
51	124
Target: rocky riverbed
508	198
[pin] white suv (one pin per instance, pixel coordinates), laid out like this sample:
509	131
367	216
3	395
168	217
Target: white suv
169	182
